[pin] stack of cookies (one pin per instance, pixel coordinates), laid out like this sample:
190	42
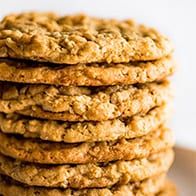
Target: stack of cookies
84	103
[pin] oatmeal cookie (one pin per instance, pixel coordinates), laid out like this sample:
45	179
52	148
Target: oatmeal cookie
82	103
79	39
37	151
93	74
150	186
87	175
70	132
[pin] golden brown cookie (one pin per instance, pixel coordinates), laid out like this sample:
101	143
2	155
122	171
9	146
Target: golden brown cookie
61	153
169	189
79	39
82	103
149	187
71	132
87	175
86	74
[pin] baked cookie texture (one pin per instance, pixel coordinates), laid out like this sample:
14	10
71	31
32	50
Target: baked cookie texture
79	39
151	186
70	132
88	175
82	103
94	74
80	153
169	189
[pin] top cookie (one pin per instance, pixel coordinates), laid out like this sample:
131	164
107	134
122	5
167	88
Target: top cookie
79	39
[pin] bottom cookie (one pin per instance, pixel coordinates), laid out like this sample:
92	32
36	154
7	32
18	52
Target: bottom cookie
151	186
169	189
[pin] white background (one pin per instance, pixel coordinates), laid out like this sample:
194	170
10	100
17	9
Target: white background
175	18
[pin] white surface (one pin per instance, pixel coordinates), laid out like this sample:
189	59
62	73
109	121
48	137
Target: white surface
175	18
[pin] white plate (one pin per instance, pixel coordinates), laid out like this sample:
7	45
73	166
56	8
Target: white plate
183	171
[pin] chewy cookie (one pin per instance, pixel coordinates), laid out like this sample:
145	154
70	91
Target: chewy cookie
79	39
61	153
82	103
88	175
86	74
150	186
83	106
70	132
169	189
